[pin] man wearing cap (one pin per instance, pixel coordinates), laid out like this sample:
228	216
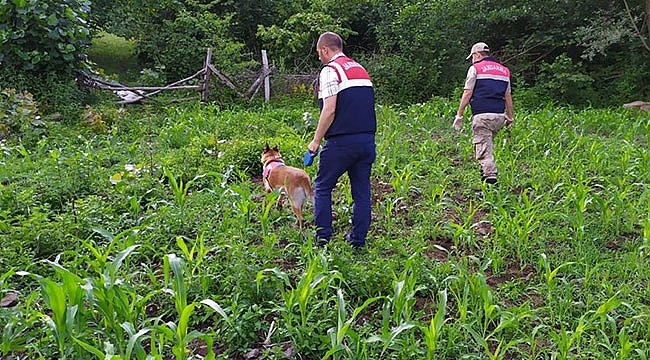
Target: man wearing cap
487	91
348	123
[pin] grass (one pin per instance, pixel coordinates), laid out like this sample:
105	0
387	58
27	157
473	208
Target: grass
151	237
115	55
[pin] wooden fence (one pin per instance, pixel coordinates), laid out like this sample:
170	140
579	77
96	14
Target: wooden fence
134	94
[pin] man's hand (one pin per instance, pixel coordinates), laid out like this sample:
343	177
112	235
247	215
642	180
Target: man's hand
508	120
313	146
458	123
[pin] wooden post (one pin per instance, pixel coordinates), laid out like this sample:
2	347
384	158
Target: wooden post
206	76
267	82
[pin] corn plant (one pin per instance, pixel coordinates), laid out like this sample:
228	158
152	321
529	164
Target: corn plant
122	308
242	200
568	341
550	277
579	198
433	331
507	320
307	296
179	332
462	232
401	180
270	199
194	255
65	302
179	189
110	352
517	223
112	295
389	207
615	343
115	298
398	308
397	313
343	338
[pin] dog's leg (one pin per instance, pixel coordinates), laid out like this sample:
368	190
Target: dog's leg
267	186
298	211
297	199
278	202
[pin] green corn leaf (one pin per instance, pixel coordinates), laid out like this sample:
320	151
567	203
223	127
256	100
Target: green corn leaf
54	297
184	321
211	303
180	242
91	349
134	339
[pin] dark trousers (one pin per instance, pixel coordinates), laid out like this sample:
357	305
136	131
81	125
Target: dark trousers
353	154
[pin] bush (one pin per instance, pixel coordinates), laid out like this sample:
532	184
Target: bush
297	36
179	45
55	93
44	35
18	112
421	55
566	82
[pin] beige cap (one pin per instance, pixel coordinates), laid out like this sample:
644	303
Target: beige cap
478	47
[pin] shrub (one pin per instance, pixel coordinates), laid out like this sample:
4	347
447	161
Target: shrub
565	81
44	35
18	112
297	36
179	45
100	120
55	93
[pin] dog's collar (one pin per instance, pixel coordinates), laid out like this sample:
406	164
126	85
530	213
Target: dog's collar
270	165
276	158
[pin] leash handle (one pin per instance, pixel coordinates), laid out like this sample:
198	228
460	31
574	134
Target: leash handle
309	157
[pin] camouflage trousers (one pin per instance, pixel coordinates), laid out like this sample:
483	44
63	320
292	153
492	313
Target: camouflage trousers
484	128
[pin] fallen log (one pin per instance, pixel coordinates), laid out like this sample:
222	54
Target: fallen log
642	105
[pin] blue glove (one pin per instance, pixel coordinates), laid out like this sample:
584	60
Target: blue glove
308	159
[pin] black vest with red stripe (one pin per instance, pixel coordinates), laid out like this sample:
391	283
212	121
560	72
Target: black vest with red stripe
355	101
492	82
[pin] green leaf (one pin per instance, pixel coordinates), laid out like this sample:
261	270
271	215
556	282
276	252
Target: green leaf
91	349
211	303
52	20
54	297
184	321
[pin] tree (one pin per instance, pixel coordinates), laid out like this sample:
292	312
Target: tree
173	36
642	37
295	39
44	35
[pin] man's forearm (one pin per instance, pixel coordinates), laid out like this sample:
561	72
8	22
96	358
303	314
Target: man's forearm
509	106
324	121
326	118
464	100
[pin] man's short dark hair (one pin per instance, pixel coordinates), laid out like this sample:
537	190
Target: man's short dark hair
331	40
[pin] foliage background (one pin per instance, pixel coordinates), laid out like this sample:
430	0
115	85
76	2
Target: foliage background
561	51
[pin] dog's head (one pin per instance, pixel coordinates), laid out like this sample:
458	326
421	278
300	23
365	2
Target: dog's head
270	153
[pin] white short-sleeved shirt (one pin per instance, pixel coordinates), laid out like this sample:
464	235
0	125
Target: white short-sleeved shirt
470	80
328	81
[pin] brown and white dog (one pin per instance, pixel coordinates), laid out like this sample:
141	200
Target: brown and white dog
293	182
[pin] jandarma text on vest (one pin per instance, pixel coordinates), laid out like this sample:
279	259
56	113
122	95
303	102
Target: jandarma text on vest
350	64
493	67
